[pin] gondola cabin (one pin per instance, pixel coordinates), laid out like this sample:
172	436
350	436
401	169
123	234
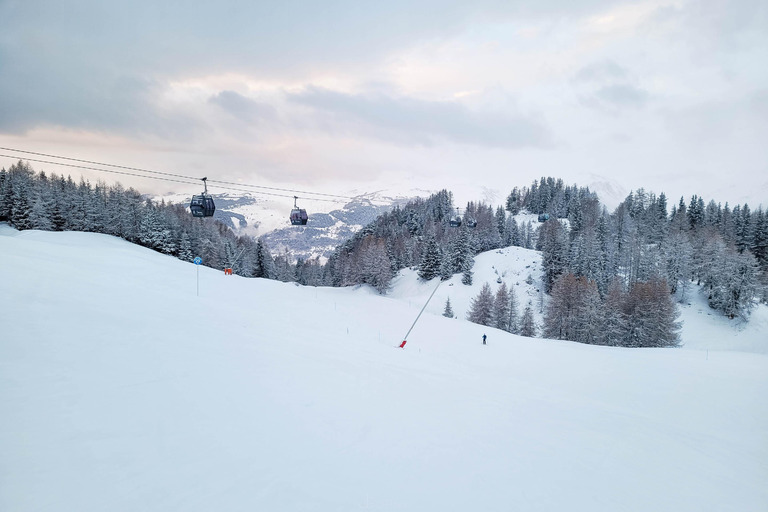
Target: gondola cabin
298	216
543	217
202	205
455	220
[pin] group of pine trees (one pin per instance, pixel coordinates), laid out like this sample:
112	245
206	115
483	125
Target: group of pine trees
613	278
501	310
643	316
725	250
420	235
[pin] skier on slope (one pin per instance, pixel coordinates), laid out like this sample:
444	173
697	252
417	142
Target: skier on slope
483	339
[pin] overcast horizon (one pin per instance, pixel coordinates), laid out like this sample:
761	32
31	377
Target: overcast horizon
671	96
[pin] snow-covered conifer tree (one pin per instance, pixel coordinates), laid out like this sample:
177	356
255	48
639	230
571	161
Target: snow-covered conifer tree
514	201
461	251
466	277
501	308
651	316
560	319
376	269
513	324
446	268
21	203
678	260
760	239
4	196
185	248
512	233
448	310
501	221
150	228
264	264
39	217
614	324
481	308
284	270
529	237
696	213
589	318
731	282
553	240
527	323
430	260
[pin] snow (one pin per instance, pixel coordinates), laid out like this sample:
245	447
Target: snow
121	389
512	265
705	329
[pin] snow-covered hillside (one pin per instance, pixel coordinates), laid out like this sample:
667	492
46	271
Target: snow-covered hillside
121	388
518	268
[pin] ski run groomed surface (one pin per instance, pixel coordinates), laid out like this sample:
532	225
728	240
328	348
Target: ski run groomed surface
122	390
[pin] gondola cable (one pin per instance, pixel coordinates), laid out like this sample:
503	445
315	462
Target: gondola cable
303	193
169	179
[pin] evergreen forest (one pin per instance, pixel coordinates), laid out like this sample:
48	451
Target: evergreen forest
611	278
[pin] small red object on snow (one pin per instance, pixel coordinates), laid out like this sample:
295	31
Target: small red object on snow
402	345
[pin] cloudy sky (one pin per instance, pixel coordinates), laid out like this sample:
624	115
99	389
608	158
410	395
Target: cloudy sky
340	96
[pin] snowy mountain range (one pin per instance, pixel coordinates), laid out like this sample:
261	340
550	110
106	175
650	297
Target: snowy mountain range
330	223
131	380
327	230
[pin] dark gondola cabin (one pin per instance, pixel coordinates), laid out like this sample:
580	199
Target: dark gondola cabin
202	205
299	216
455	220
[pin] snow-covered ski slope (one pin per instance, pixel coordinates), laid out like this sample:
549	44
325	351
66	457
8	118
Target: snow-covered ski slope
122	390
